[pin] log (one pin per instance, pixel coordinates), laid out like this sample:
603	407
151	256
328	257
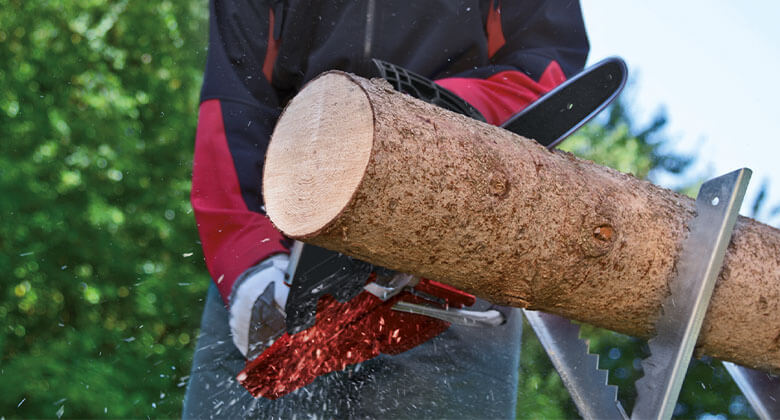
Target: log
356	167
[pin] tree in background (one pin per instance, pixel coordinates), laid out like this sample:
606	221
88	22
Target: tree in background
102	273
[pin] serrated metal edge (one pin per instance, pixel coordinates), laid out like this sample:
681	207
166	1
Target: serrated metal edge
578	368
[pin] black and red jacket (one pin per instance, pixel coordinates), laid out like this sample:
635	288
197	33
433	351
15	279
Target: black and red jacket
498	55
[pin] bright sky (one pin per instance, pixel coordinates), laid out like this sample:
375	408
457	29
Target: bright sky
713	65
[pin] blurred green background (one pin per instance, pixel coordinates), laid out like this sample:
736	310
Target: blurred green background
102	274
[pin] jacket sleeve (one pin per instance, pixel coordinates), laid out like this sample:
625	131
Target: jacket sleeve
533	47
237	113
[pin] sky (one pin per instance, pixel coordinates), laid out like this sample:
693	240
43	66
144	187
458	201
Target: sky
713	66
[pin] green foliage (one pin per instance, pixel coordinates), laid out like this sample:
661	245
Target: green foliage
614	141
541	394
760	208
101	268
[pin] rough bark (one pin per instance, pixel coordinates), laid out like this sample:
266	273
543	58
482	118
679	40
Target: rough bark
445	197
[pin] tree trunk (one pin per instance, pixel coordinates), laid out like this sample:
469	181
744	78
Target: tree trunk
355	167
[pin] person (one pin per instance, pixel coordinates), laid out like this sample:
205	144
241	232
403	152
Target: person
499	55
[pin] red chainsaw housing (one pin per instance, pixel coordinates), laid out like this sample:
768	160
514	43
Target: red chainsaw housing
346	334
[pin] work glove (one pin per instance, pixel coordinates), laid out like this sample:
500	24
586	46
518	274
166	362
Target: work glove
257	316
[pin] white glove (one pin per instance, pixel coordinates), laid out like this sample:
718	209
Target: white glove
257	306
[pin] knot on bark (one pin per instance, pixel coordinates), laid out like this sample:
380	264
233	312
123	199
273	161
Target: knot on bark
603	233
599	240
498	184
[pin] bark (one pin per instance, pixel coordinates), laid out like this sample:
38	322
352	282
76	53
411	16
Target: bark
355	167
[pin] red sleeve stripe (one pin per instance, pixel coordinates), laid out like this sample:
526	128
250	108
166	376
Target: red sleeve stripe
233	237
273	48
493	29
503	94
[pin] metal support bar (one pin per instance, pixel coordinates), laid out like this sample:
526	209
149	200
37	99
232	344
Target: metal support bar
579	370
701	258
761	389
488	318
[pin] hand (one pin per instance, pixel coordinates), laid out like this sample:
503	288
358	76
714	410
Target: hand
257	316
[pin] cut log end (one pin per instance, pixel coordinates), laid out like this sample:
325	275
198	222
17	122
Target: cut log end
326	133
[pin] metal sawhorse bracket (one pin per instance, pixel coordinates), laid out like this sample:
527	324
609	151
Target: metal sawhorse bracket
701	258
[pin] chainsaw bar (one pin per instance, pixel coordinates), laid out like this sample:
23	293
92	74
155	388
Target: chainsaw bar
563	110
761	389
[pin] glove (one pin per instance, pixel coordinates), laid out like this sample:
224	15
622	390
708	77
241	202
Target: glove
257	316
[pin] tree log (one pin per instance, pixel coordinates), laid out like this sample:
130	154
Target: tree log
356	167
